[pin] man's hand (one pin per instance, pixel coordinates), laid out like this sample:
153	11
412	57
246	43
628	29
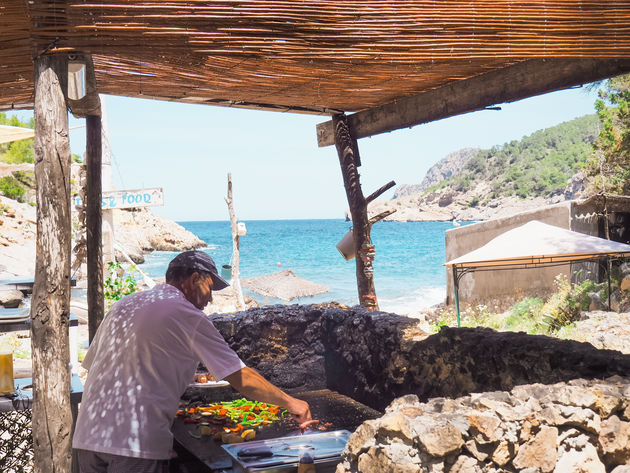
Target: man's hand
299	409
250	383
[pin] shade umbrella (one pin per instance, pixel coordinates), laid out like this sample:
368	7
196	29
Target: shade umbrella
15	133
285	285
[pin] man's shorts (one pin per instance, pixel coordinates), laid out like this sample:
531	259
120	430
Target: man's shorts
97	462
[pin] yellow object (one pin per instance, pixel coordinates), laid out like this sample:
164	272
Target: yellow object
231	438
6	371
249	434
206	430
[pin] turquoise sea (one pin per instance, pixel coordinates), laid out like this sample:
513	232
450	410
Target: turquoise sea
408	268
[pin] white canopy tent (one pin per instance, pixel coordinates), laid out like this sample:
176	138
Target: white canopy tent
532	245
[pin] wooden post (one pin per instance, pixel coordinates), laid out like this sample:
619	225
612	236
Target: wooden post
349	159
94	225
236	276
50	310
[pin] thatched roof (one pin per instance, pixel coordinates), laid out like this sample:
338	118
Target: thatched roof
314	56
285	285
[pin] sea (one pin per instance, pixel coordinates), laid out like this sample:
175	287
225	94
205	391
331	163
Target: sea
408	267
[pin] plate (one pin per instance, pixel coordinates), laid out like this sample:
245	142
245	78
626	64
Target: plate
209	384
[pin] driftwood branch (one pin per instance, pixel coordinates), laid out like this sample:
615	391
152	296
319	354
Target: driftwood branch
380	216
379	191
236	277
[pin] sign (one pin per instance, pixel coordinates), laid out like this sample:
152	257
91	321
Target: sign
128	199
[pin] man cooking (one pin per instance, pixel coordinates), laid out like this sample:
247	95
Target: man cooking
142	358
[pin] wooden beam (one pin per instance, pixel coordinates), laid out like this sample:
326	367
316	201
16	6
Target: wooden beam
526	79
94	225
50	309
348	153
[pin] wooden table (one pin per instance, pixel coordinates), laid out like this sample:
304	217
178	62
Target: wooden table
24	283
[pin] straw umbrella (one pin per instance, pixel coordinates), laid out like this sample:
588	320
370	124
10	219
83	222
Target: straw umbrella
285	285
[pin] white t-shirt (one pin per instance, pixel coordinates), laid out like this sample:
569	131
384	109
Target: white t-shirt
140	362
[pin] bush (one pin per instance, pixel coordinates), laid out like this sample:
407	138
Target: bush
119	284
474	202
11	188
525	314
566	306
20	152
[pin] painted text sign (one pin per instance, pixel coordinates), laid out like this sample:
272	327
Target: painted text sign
129	198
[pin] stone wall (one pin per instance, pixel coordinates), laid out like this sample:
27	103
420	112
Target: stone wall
579	426
377	357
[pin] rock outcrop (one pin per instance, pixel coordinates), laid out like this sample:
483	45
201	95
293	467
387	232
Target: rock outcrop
451	164
139	231
578	426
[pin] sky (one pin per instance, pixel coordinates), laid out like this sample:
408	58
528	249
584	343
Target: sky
278	171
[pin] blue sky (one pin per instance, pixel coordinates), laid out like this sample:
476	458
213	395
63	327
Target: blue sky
278	172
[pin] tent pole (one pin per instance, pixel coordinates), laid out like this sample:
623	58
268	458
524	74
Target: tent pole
456	285
608	272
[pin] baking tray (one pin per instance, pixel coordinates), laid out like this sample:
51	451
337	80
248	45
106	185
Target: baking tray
324	447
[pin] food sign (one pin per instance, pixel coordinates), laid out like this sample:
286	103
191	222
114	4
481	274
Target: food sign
128	199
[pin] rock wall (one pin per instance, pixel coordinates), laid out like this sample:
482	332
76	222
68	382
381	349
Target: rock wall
579	426
377	357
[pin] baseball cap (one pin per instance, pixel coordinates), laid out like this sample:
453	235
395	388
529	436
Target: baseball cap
199	261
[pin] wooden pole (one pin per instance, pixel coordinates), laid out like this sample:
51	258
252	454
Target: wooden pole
236	276
50	310
348	153
94	225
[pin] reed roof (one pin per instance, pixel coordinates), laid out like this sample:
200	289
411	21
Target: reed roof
315	56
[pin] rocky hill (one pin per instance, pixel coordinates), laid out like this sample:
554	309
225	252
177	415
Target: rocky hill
446	167
473	184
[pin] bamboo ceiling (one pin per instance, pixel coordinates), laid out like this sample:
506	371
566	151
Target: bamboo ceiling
315	56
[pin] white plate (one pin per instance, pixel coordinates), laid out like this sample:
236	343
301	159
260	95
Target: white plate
209	384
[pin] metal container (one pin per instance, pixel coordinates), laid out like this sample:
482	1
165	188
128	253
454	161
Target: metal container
281	455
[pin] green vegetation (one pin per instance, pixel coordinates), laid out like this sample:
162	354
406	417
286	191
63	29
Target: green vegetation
532	315
11	188
538	165
609	166
16	152
17	185
119	283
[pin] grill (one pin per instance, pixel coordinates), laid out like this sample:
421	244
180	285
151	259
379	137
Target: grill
341	413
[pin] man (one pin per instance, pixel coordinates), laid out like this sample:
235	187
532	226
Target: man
142	358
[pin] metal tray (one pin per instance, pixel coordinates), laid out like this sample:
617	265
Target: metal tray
324	447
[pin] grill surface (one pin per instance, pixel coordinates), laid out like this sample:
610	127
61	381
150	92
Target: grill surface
329	407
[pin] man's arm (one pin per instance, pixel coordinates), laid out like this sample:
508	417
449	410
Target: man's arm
251	383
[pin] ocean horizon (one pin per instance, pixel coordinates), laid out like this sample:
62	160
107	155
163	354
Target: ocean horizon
408	268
